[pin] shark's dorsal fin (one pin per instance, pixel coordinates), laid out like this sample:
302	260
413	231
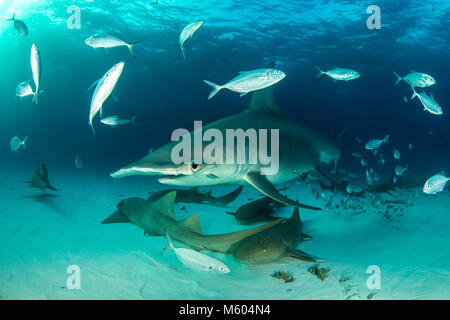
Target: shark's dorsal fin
191	223
263	99
165	204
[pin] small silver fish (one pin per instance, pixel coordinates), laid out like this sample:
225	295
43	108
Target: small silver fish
400	171
396	153
78	162
339	74
36	68
416	79
198	261
103	90
187	33
327	194
19	25
357	155
376	143
110	41
16	143
435	184
248	81
115	121
24	89
428	102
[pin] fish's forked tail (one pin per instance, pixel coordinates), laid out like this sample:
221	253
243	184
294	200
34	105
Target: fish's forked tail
398	78
216	88
13	17
133	120
24	143
414	93
320	72
92	126
35	97
131	46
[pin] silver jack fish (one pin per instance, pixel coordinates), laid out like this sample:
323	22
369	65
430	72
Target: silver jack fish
24	89
187	33
19	25
248	81
36	68
416	79
428	102
115	121
339	74
16	143
103	89
110	41
376	143
435	184
197	260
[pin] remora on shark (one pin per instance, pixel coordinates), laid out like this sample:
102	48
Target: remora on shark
301	149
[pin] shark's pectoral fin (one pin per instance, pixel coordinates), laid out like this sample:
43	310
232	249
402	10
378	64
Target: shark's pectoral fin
261	183
299	254
116	217
191	223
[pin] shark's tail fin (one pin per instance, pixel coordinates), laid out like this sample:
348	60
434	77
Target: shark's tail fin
398	78
13	17
320	72
133	120
216	88
131	45
226	199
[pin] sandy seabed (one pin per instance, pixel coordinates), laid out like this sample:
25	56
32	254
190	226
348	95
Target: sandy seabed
43	234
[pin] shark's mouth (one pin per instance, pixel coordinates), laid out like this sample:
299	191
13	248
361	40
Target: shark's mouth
167	172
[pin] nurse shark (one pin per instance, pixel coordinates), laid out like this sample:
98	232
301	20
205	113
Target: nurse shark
301	149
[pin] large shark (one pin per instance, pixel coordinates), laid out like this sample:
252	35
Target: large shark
275	243
156	217
301	149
